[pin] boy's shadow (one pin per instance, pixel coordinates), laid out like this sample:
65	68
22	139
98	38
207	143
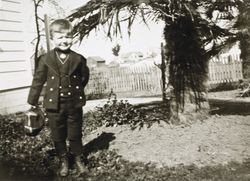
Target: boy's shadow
100	143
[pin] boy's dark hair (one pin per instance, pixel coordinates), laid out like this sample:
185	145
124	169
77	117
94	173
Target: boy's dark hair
59	25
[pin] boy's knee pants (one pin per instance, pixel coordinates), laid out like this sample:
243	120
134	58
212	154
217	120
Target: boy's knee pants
66	123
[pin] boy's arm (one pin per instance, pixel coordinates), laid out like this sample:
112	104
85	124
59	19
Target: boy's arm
85	72
39	79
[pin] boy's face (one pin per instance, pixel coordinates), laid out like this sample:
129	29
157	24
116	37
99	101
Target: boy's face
62	40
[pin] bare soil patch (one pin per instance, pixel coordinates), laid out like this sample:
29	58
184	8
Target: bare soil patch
219	139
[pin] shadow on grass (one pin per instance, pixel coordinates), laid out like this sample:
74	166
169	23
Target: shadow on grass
229	106
109	166
100	143
137	171
240	109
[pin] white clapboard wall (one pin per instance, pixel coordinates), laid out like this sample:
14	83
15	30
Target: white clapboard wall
15	69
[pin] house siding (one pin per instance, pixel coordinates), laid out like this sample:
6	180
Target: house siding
15	67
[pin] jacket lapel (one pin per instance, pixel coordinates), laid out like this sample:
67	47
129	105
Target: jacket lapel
51	61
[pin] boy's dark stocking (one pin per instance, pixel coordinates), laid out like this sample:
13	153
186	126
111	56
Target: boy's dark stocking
75	147
76	150
61	150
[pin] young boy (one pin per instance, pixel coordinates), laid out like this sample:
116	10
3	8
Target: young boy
66	75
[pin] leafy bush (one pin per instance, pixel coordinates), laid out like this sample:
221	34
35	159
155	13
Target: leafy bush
224	86
92	96
28	154
115	113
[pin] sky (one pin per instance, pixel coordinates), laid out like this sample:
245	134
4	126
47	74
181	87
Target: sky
97	44
142	39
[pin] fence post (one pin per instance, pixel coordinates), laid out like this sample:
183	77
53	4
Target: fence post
46	23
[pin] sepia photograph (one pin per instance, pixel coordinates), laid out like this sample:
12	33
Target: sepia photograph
124	90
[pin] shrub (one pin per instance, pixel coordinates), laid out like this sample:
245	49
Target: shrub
226	86
92	96
26	153
115	113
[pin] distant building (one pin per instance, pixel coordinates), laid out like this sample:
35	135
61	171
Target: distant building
114	63
149	57
151	54
132	57
96	61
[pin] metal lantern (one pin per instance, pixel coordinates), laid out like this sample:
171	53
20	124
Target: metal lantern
34	122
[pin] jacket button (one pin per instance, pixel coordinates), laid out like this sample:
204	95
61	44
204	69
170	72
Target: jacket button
80	97
52	77
77	87
61	94
50	100
51	89
69	93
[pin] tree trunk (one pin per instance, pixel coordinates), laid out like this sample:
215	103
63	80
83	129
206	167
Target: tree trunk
163	73
188	70
190	113
245	55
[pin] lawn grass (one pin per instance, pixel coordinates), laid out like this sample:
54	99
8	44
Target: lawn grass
27	158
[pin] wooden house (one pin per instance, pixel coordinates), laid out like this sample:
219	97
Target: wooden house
15	66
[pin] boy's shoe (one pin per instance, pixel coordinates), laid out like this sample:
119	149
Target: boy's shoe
64	166
81	168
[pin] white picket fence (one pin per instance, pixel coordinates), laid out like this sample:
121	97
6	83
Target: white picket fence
146	80
225	69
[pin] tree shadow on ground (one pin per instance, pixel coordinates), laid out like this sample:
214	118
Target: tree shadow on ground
225	109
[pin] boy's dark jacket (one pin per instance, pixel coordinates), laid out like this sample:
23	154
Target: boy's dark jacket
47	72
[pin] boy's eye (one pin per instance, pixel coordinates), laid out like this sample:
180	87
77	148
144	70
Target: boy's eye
61	37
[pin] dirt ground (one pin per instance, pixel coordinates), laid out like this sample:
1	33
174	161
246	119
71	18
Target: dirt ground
220	139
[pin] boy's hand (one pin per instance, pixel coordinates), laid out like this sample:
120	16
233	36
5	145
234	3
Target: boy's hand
32	108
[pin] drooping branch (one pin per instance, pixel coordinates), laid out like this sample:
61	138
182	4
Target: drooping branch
243	26
88	17
187	33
